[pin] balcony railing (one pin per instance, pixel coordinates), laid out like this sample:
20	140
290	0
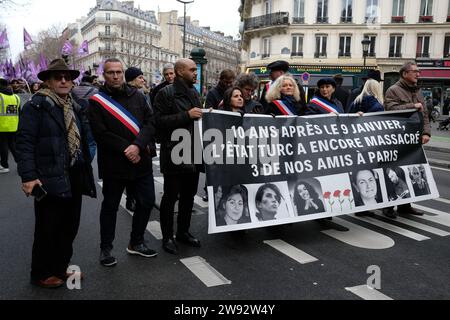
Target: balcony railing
423	55
268	20
296	54
346	19
322	19
298	20
398	19
371	20
371	54
107	35
425	19
265	55
344	54
395	55
107	50
320	55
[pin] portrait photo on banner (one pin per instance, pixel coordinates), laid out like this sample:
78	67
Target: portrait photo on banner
366	187
419	180
306	196
269	201
396	184
231	205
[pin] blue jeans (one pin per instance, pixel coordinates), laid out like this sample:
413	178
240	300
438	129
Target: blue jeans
144	188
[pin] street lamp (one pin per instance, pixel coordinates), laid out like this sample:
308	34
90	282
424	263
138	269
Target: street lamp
365	44
184	25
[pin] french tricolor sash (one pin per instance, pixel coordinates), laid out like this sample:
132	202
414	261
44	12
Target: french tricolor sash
118	112
268	86
324	105
283	108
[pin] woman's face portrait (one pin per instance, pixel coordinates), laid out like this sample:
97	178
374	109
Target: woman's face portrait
416	176
366	184
234	206
326	90
303	192
287	88
393	176
237	101
269	202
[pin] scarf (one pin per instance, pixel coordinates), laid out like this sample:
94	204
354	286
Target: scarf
73	134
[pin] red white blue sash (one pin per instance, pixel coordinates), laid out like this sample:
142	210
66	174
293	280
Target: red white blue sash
324	105
268	86
283	108
118	112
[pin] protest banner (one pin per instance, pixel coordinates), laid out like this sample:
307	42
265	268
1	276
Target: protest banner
264	171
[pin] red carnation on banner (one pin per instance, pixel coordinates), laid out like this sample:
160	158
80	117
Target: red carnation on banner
347	192
327	195
337	194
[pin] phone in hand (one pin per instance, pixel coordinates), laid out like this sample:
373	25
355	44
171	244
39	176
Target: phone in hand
38	192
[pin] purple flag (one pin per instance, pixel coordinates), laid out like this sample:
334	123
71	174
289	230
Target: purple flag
67	49
100	69
33	69
43	65
84	48
4	42
27	41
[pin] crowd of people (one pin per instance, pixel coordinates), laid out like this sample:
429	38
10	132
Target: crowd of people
56	135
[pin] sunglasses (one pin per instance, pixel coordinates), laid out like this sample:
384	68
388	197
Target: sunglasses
60	76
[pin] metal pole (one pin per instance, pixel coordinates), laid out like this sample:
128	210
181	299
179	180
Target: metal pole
184	32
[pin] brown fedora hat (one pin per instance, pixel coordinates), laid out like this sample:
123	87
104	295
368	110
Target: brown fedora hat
58	65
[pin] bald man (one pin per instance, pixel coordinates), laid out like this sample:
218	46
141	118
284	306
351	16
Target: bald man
177	106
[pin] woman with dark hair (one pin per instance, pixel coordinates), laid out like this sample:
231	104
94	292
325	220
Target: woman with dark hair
366	188
323	101
306	199
267	201
233	100
35	87
233	207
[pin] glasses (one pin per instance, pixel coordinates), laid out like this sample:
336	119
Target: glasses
414	71
112	73
59	77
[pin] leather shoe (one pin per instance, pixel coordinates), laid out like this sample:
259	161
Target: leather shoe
170	246
410	210
67	275
49	283
390	213
189	239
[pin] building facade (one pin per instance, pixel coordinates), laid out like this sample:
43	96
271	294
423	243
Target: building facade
222	52
324	37
117	29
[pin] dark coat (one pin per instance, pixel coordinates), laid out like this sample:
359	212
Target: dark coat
214	97
353	94
172	105
314	109
274	110
113	138
342	95
155	91
43	151
368	104
252	106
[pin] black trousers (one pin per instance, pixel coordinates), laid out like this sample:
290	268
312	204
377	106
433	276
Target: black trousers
7	142
182	187
57	222
144	193
402	206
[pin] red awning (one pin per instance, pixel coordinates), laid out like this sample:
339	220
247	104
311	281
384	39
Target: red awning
435	73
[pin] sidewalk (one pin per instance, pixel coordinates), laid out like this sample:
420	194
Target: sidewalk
440	142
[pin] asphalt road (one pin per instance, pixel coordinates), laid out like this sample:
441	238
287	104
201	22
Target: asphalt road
245	262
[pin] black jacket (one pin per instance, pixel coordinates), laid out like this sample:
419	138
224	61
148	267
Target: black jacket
43	151
214	97
155	91
172	105
113	138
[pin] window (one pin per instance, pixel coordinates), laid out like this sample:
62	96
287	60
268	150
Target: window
108	16
322	11
299	11
395	46
372	44
297	46
346	15
268	7
372	11
321	46
447	46
345	42
107	30
423	47
426	11
266	48
398	11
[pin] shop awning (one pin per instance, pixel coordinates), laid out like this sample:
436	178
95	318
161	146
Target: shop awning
435	73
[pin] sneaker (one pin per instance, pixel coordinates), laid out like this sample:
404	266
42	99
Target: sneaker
142	250
4	170
106	259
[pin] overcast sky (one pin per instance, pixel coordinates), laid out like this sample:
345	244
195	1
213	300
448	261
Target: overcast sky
220	15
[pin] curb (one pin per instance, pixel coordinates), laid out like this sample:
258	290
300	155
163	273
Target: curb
439	163
436	149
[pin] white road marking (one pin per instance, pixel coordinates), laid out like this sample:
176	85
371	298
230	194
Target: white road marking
437	217
443	200
156	163
442	169
159	180
199	201
291	251
417	225
367	293
393	228
205	272
360	237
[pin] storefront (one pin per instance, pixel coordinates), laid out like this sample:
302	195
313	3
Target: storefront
435	82
309	75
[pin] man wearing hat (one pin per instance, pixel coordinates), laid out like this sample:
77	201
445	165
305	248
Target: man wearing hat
277	69
54	164
372	74
340	93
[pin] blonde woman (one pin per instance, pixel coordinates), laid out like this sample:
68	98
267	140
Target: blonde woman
370	99
284	98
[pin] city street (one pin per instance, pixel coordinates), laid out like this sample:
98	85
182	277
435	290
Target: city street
301	261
